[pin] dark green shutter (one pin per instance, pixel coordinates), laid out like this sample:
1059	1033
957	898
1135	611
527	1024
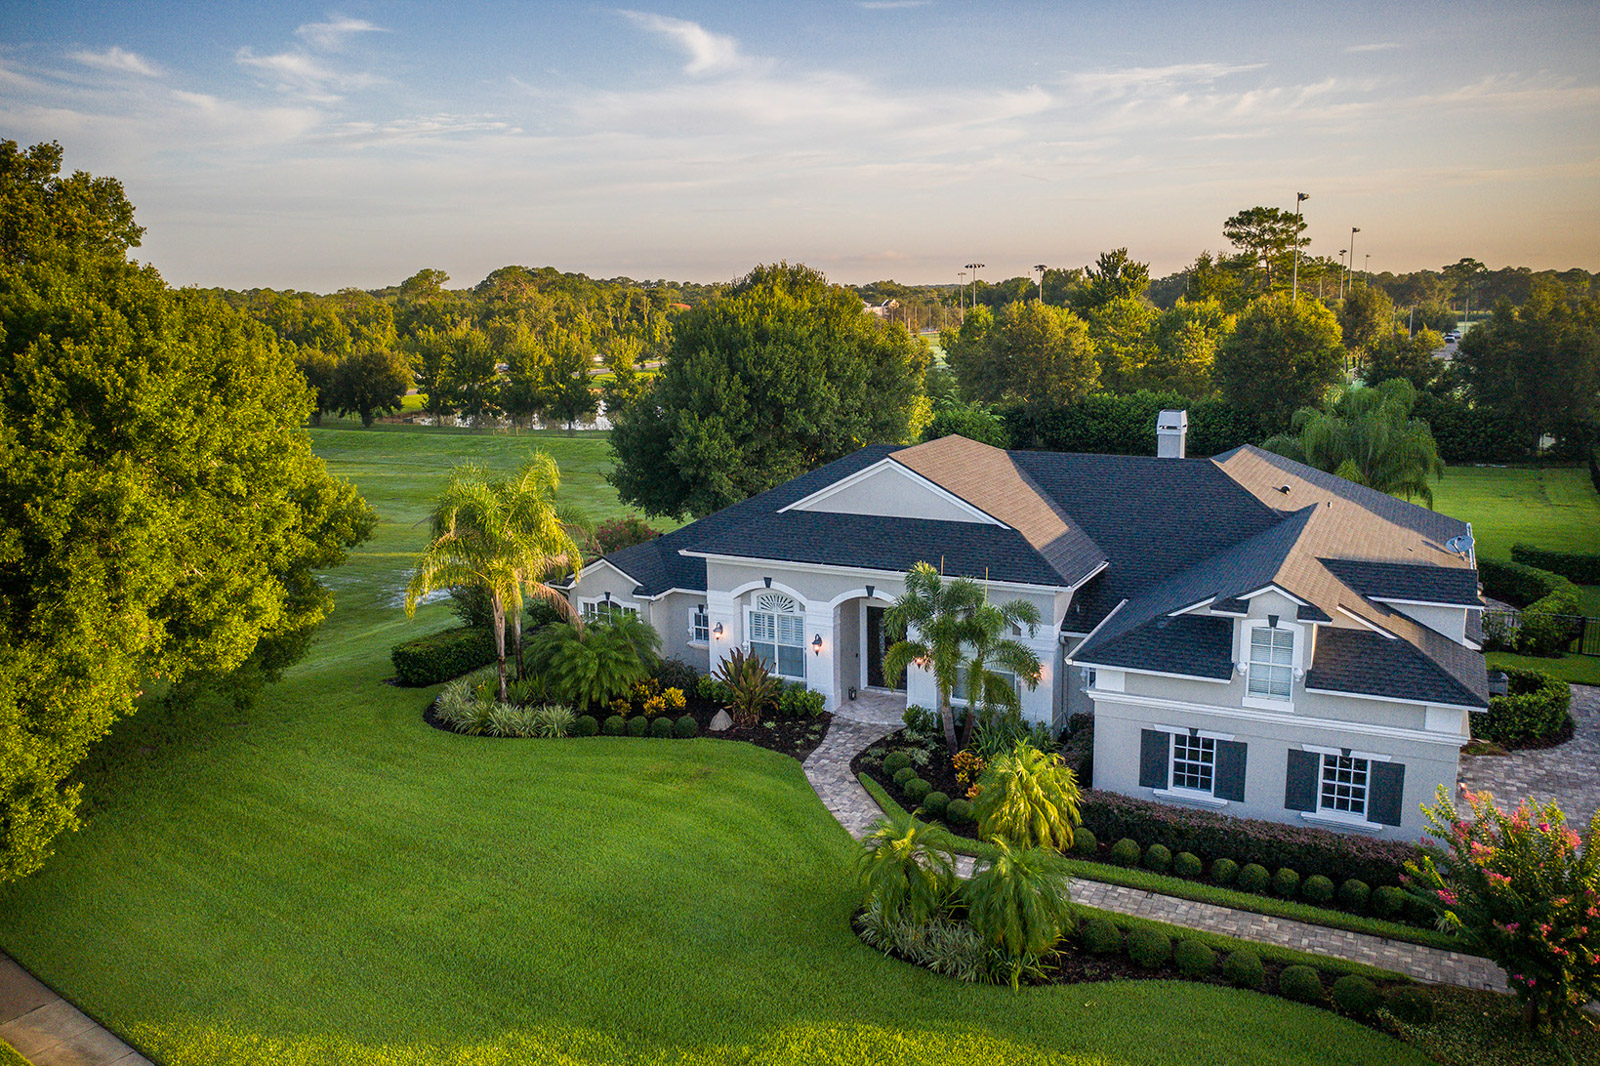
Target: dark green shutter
1387	784
1229	783
1300	787
1154	747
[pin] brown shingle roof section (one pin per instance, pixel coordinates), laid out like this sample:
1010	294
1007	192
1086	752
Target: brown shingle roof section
989	479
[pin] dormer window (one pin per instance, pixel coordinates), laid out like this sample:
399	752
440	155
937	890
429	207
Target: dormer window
1271	662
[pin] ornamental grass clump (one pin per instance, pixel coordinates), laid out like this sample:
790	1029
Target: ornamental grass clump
1028	798
1019	904
1523	889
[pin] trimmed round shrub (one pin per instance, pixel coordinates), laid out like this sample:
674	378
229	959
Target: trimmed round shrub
661	727
1194	959
1254	877
1301	984
1285	883
638	726
1356	996
1187	864
585	725
1149	948
917	790
1084	842
1410	1004
1317	889
1416	912
894	762
904	774
1388	901
615	726
1158	857
1125	852
1243	969
1101	937
685	727
936	804
1224	871
1353	895
959	812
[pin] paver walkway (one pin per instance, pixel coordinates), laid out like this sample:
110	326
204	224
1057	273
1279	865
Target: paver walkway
828	770
49	1031
1568	774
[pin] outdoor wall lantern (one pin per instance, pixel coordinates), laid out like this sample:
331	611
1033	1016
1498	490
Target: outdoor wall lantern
816	644
1499	683
608	596
717	632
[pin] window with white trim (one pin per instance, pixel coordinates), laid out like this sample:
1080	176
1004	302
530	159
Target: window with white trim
605	610
700	626
1271	662
778	634
1344	785
1194	762
958	698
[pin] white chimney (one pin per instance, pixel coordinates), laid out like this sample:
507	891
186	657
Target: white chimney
1172	434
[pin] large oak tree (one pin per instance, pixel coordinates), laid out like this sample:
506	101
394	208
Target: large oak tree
776	375
162	515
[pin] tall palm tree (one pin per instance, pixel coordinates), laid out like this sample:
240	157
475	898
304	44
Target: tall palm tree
501	536
948	625
988	648
1368	436
545	531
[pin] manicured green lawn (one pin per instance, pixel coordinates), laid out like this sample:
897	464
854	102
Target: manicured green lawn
323	878
1550	507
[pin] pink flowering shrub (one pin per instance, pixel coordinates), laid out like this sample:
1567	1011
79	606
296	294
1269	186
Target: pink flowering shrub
1525	890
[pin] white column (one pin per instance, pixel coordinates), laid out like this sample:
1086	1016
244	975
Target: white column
820	667
723	609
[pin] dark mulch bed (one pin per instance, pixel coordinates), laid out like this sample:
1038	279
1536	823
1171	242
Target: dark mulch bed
796	737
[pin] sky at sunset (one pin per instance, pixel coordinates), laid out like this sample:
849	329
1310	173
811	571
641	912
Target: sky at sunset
305	146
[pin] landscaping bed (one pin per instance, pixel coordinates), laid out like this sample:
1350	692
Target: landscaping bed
1377	907
788	734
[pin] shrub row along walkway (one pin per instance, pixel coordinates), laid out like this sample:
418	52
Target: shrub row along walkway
1566	773
828	769
49	1031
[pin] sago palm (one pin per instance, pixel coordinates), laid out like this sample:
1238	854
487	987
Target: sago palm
1028	798
906	868
1020	904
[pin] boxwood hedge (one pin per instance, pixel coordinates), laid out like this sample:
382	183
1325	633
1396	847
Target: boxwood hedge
441	656
1274	845
1535	708
1582	567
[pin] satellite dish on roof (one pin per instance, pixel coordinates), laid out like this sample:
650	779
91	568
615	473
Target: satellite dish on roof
1460	545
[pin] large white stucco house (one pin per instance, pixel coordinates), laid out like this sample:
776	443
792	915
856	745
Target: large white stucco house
1251	635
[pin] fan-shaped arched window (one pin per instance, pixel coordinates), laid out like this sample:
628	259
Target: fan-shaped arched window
777	634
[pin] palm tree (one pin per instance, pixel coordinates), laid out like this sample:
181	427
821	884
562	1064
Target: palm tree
501	536
948	625
932	614
905	866
989	647
545	530
1368	436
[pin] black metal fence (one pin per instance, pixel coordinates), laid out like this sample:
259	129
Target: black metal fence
1500	629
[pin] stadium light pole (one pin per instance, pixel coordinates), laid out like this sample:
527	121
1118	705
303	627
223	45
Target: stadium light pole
1294	288
1351	262
961	293
1041	268
975	267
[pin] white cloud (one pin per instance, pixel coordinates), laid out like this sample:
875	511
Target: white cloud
1380	46
303	74
421	127
1129	80
892	5
709	53
116	60
330	36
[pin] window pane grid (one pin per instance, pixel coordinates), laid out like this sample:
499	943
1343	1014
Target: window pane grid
1271	662
779	640
1194	760
1344	784
701	627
